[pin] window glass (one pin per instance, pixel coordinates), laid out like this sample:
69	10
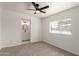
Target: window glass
61	26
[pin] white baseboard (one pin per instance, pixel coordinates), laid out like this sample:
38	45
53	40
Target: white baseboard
0	48
12	44
61	47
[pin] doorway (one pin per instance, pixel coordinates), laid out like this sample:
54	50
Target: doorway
26	29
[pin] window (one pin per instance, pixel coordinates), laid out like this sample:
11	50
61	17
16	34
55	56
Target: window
61	26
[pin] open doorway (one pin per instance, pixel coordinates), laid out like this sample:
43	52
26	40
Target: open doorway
26	29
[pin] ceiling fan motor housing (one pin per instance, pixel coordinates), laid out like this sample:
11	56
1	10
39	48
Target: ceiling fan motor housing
37	5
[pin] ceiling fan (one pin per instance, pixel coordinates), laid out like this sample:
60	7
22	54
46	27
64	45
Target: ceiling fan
37	9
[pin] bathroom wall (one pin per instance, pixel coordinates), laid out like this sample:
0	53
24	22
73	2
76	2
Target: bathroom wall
66	42
26	29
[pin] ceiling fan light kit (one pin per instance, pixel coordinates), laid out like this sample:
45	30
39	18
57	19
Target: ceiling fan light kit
37	9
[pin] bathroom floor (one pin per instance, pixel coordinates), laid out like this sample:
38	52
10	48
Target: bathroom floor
34	49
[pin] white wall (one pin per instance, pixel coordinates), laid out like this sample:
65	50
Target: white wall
11	28
0	27
66	42
35	27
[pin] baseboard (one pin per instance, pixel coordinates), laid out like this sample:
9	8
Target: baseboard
16	44
10	45
62	48
0	48
35	41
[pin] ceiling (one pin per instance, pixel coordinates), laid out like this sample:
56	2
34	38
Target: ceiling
54	7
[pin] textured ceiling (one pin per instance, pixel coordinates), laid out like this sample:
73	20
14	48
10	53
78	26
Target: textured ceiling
54	7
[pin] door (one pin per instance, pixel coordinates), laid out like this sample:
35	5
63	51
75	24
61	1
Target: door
26	29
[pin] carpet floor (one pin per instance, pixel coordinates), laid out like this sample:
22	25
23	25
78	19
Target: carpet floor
34	49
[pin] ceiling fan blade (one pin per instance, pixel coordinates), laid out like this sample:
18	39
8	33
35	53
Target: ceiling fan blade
34	4
31	9
42	11
44	7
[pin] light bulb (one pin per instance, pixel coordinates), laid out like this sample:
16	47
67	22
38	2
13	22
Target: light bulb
37	11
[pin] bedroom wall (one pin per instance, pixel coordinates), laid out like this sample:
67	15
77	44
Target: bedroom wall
11	28
0	27
66	42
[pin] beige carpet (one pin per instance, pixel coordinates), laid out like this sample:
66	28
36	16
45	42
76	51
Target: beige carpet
34	49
